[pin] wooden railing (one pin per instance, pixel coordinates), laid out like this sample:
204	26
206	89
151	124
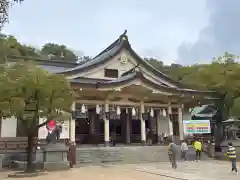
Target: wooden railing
14	143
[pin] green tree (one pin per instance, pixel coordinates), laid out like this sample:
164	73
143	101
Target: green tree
58	52
222	76
28	93
9	46
4	9
235	110
155	63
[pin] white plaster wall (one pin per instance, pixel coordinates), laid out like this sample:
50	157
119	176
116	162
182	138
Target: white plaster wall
9	127
115	63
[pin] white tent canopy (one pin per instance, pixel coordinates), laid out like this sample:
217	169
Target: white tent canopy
231	120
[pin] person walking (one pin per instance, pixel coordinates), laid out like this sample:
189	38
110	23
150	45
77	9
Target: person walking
231	153
172	152
114	138
148	136
184	150
198	148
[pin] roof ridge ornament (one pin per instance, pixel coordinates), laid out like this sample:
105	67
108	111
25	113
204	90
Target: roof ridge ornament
123	37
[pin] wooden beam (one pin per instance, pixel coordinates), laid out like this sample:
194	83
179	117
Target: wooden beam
124	103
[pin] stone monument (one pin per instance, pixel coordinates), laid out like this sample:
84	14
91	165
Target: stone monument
55	154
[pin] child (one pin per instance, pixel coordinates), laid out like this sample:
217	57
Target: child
231	153
184	149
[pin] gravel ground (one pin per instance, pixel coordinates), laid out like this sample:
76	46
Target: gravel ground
98	173
204	170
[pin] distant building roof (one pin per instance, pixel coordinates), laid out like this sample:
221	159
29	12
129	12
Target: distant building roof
53	66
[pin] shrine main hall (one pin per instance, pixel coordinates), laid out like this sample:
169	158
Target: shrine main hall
119	92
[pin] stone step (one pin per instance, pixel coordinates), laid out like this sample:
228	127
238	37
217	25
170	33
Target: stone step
126	155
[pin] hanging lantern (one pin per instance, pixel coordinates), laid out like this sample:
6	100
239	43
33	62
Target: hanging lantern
133	112
199	102
151	112
169	110
98	109
118	110
106	108
83	109
126	110
164	113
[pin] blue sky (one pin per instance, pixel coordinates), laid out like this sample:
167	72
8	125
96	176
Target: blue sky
156	28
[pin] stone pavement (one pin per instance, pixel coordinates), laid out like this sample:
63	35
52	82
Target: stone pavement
204	170
95	173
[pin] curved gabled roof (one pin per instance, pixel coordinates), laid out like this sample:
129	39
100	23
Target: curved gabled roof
101	58
111	51
130	77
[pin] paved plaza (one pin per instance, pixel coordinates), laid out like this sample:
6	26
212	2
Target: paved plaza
204	170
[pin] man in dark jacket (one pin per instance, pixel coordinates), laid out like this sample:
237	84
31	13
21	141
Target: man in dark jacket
113	138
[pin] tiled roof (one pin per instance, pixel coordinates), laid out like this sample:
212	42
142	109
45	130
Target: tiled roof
113	50
129	78
53	66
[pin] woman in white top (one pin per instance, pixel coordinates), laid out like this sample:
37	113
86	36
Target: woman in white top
184	150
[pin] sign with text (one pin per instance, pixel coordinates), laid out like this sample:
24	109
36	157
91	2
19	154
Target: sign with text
196	126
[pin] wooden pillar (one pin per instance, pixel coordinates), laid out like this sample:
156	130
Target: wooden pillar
91	117
128	131
72	134
158	133
106	124
170	121
72	127
180	122
123	125
97	127
143	125
129	110
150	126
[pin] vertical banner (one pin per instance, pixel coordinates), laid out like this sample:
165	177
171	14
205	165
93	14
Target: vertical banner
43	131
65	129
196	126
8	127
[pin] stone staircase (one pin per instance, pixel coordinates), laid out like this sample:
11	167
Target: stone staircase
126	155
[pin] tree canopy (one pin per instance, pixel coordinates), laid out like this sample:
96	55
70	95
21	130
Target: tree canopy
28	89
4	10
29	93
57	52
221	75
9	46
